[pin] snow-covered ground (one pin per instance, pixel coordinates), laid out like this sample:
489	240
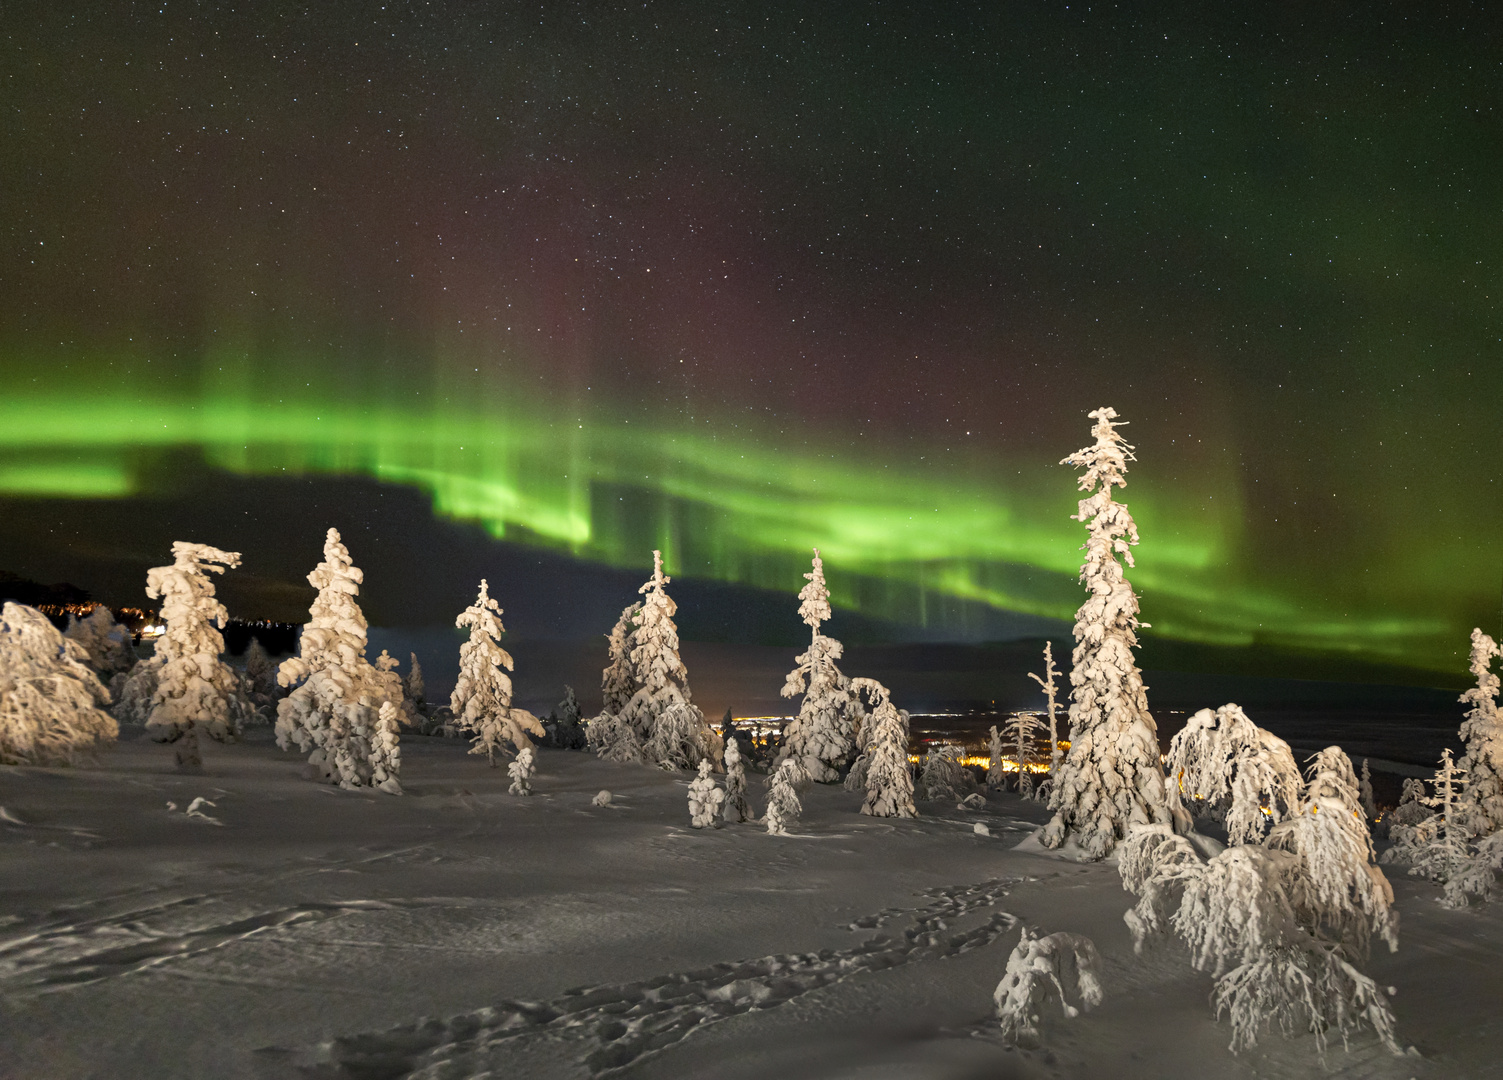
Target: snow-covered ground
301	930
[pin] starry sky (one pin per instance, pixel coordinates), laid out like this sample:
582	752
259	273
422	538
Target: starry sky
736	281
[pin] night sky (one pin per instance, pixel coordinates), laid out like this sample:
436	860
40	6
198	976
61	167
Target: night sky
529	290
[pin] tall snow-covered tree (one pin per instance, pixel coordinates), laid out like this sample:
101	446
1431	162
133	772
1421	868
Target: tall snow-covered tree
333	711
50	698
783	805
482	695
822	736
889	784
1049	681
196	690
1481	806
1111	779
618	682
735	784
106	642
662	684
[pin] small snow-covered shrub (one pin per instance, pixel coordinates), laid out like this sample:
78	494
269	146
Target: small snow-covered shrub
1066	963
735	784
783	805
602	798
50	699
521	772
386	751
889	784
996	772
943	774
1111	779
682	739
823	733
613	739
705	799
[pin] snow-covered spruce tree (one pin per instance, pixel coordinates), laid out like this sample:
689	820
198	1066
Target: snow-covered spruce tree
1023	731
1438	847
783	805
335	704
407	714
822	736
50	698
671	737
1280	925
735	784
106	642
705	799
1111	779
261	672
482	695
996	770
1365	790
386	751
889	784
521	772
1050	682
1411	809
196	690
1229	769
413	687
1062	961
618	682
1481	807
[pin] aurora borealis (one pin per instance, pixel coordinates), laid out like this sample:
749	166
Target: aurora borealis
745	281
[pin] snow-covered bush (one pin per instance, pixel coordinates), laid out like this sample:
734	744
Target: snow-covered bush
1481	807
334	708
564	729
822	736
482	695
1440	846
943	775
50	698
1111	779
1063	962
133	691
735	784
521	772
1411	809
1022	732
1049	681
889	784
196	690
1230	769
612	738
618	681
705	799
602	798
106	642
682	739
1280	925
783	805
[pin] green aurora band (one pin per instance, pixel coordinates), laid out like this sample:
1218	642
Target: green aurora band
905	538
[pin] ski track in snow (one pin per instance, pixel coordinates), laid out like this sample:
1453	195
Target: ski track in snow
605	1028
75	954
